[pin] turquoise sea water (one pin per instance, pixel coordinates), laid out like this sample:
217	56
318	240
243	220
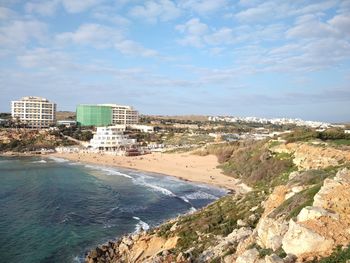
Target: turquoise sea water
53	210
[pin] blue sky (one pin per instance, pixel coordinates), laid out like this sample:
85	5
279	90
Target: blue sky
268	58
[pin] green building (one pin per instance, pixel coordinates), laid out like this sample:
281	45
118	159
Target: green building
94	115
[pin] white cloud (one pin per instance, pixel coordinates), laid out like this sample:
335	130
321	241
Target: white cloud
77	6
100	36
129	47
6	13
203	6
96	35
45	8
20	32
194	31
43	58
49	7
152	11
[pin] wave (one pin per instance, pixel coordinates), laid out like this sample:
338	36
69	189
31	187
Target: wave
110	171
200	195
57	159
157	188
141	225
41	161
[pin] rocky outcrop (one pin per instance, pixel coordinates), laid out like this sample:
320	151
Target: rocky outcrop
308	156
300	240
270	232
314	232
133	248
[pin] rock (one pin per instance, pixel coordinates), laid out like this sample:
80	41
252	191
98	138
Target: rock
299	240
312	212
253	208
237	235
297	189
249	256
123	248
180	257
229	259
240	222
127	241
293	174
290	258
252	218
273	259
270	233
289	195
173	227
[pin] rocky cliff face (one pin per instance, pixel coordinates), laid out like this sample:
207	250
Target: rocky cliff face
305	219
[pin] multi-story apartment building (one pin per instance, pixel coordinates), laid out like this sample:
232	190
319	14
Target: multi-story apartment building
34	112
106	114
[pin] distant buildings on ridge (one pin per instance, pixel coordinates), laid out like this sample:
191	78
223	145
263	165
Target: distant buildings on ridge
278	121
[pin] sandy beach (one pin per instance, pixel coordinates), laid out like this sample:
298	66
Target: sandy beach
202	169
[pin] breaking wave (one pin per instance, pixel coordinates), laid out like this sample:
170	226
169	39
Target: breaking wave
141	225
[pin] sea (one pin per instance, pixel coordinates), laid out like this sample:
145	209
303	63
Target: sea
53	210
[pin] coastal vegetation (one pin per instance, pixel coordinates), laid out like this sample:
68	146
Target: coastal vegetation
24	140
259	224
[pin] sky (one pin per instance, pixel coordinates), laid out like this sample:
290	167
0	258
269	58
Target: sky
272	58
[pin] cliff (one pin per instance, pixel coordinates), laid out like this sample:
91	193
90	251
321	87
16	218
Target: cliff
298	212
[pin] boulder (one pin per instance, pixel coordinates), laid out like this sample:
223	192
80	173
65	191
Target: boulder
270	233
312	212
237	235
300	240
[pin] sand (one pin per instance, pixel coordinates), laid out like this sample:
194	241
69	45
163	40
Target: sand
201	169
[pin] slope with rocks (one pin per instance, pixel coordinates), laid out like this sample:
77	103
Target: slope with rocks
293	214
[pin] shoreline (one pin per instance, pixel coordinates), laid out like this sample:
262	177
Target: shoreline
185	166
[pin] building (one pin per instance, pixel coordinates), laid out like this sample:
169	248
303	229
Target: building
106	114
66	123
34	112
111	139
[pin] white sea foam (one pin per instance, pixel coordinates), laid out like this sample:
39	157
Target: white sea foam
110	171
141	225
58	160
157	188
200	195
185	199
41	161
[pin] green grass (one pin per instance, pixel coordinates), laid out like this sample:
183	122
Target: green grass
338	256
340	142
291	207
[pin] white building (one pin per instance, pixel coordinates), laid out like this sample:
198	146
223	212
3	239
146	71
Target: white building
123	114
111	139
35	112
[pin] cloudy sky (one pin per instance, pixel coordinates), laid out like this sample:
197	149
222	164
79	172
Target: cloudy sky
269	58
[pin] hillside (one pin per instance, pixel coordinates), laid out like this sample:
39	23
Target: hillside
300	196
26	140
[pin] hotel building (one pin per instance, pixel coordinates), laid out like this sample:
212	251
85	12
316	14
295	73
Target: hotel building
111	139
34	112
106	114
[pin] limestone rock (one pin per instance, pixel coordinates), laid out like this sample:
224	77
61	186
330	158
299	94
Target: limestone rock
240	222
273	259
270	233
249	256
300	240
312	212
